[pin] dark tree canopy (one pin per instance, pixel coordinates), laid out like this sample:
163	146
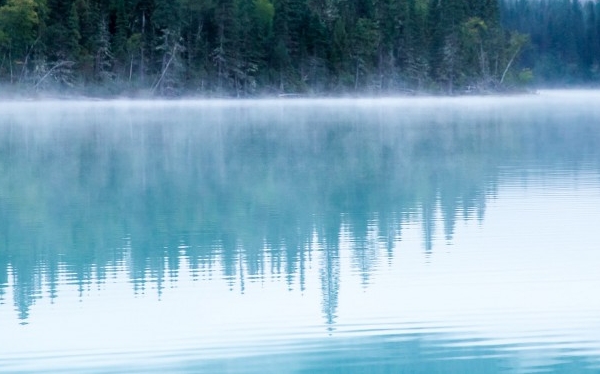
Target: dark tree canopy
254	47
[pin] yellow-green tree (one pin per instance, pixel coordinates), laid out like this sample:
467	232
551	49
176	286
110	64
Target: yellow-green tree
20	22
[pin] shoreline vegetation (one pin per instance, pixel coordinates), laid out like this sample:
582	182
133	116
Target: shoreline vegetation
11	93
294	48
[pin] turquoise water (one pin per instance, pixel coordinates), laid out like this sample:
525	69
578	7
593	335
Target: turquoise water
417	235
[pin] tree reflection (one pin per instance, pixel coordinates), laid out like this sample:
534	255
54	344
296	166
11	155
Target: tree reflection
244	196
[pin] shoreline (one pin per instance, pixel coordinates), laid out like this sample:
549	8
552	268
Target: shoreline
19	95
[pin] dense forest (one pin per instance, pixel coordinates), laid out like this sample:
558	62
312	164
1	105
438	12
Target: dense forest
269	47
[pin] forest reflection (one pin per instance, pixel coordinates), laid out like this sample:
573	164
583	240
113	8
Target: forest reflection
241	194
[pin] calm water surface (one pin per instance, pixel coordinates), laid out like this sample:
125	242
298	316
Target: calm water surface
417	235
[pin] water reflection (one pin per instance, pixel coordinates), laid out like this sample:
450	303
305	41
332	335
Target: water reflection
248	194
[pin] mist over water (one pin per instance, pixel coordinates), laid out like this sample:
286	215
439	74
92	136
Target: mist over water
415	234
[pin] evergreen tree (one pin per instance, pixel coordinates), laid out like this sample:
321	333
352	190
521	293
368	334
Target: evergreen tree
224	55
62	34
246	47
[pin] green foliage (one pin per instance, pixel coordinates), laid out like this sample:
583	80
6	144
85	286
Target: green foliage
21	25
249	47
564	39
364	42
264	12
19	22
525	76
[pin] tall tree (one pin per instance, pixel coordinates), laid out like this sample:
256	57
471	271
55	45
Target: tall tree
20	23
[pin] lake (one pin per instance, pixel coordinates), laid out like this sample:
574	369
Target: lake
416	235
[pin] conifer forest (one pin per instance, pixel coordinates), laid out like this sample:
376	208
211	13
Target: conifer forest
249	48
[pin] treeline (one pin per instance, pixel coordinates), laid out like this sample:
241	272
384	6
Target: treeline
249	47
565	38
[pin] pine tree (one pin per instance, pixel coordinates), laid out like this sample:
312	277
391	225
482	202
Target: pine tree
62	34
119	25
224	54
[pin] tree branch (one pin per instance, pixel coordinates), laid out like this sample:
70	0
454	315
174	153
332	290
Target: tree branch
56	66
509	64
30	49
165	69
